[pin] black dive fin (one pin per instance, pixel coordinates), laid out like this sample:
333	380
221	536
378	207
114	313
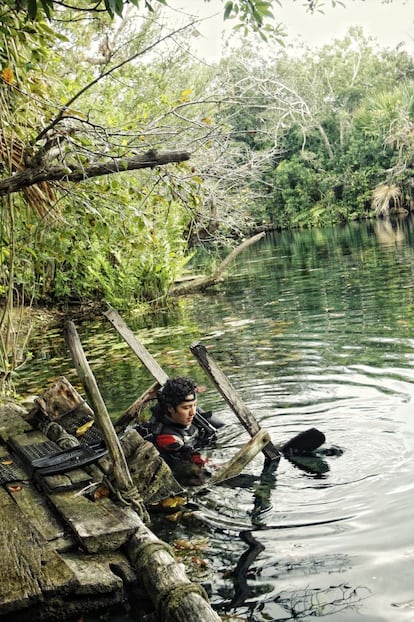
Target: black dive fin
67	460
304	442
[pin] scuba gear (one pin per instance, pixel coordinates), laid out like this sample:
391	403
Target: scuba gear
179	445
179	428
202	432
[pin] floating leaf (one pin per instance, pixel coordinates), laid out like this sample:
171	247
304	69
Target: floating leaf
191	545
199	562
7	75
173	502
101	493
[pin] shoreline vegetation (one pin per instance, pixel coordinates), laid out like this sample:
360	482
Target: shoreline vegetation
18	322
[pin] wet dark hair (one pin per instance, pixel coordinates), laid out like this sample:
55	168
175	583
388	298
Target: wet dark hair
175	390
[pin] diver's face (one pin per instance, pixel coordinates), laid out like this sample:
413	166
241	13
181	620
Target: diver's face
184	412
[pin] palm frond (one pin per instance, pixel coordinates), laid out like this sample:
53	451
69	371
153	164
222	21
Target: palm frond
384	197
41	197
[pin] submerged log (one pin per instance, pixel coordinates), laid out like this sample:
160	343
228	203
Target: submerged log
174	596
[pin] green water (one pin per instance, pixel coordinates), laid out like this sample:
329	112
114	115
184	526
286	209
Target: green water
313	328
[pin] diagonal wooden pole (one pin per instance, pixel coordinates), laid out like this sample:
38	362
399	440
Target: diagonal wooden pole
226	389
121	471
141	352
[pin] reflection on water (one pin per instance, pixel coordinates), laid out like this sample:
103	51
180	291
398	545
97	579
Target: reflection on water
314	329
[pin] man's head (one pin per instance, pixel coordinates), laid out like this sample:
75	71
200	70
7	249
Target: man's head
178	397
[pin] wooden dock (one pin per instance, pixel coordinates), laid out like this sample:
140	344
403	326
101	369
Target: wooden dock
64	551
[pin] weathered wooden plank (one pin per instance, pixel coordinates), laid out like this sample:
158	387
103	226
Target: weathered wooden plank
29	437
61	399
12	421
98	525
36	509
94	572
33	504
142	353
30	501
29	570
71	480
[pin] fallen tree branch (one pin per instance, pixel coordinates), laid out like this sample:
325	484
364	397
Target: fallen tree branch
30	176
202	282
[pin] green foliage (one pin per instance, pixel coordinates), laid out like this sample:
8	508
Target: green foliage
347	126
254	15
309	138
121	238
34	8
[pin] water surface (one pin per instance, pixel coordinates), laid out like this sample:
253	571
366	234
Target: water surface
313	328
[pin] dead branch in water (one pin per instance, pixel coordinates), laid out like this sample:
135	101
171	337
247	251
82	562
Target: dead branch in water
202	282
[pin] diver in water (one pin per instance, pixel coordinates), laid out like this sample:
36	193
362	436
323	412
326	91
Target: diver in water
180	429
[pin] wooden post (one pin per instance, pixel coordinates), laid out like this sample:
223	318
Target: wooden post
121	471
225	388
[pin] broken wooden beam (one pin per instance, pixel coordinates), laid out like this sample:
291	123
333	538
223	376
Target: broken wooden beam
228	392
135	408
235	466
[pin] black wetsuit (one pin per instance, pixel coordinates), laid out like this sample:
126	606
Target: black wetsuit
179	445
